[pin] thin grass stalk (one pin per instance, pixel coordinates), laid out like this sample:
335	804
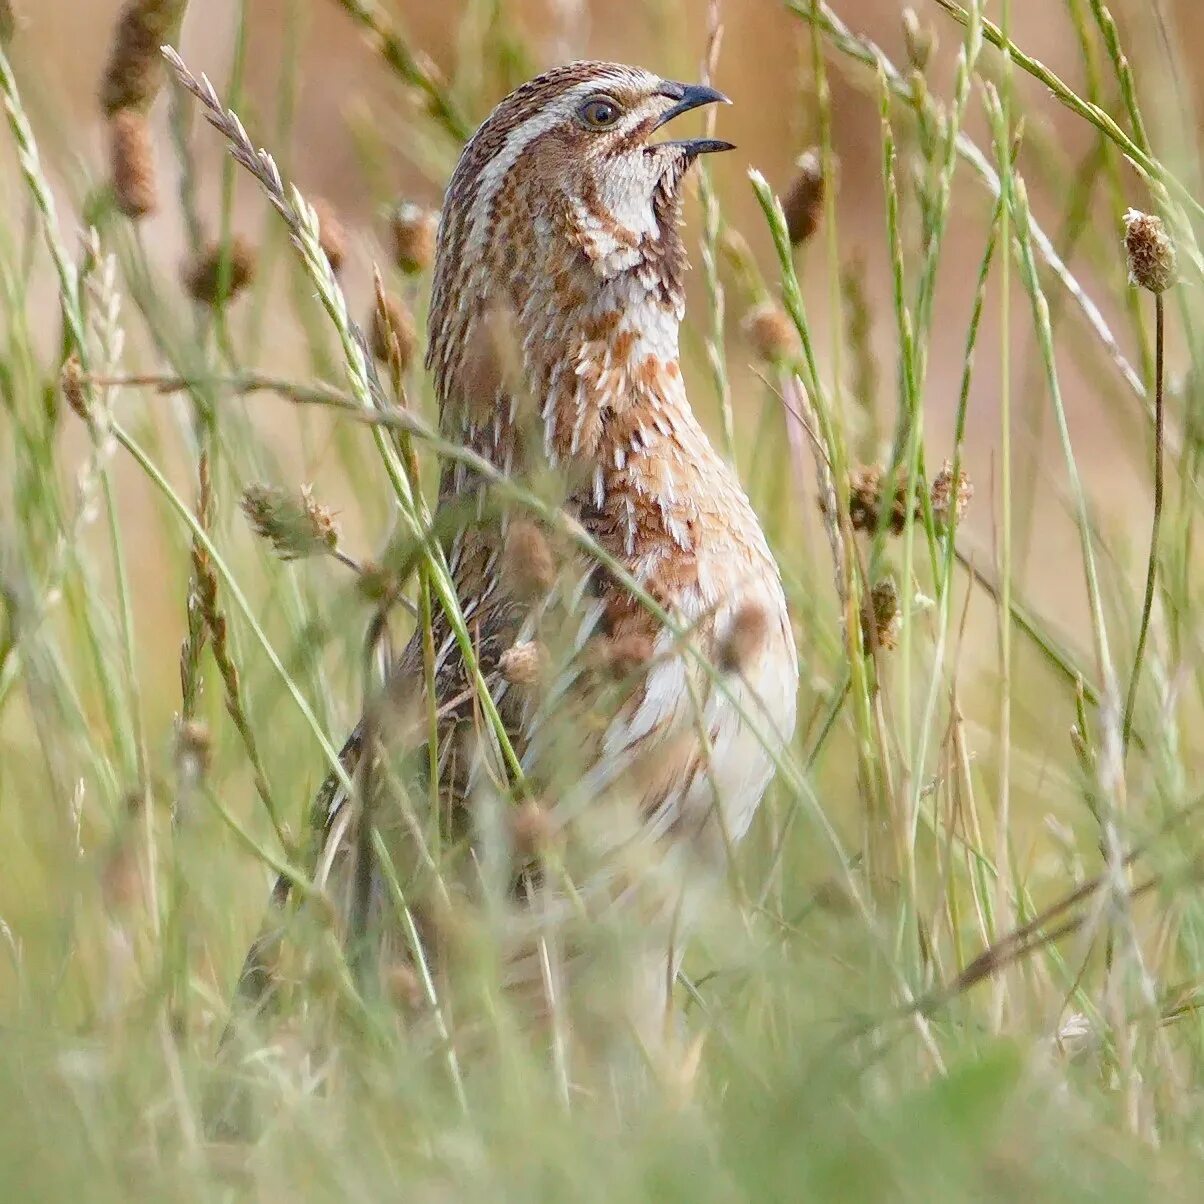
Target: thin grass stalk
418	952
1002	131
1162	180
1151	576
909	438
945	597
302	222
789	773
198	533
828	169
712	223
76	340
411	66
833	443
864	51
1110	766
1189	460
1113	166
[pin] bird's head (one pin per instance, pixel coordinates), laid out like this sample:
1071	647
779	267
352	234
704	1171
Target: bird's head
571	181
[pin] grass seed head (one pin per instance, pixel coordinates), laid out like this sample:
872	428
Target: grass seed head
132	161
630	654
393	336
919	39
8	21
744	639
531	828
524	663
134	71
882	619
194	750
403	986
297	525
332	234
204	279
770	333
950	498
414	231
803	203
865	499
1150	251
71	381
528	563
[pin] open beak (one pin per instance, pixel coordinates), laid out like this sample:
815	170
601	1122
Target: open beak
692	96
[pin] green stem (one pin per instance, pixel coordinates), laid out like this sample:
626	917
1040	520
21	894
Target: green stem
1151	575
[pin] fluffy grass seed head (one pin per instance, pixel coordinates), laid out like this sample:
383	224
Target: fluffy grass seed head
71	381
528	564
524	664
1150	251
628	655
132	162
194	750
882	619
949	497
393	337
531	828
297	525
865	499
134	70
803	203
203	277
414	229
770	333
744	639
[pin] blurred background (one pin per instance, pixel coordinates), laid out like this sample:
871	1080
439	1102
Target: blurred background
88	711
313	90
354	140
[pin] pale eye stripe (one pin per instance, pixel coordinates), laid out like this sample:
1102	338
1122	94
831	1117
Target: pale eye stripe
494	173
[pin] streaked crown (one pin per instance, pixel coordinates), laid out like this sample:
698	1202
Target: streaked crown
566	187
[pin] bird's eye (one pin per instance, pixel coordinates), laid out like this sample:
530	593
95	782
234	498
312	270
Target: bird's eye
599	112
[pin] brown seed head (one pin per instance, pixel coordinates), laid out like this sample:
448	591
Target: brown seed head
132	161
376	582
332	234
628	655
194	749
204	277
531	828
524	663
865	499
8	21
393	336
134	70
770	333
492	361
528	566
403	986
803	203
950	498
744	639
881	619
71	381
1151	253
414	230
297	526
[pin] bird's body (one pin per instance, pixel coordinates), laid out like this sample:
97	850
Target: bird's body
553	345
